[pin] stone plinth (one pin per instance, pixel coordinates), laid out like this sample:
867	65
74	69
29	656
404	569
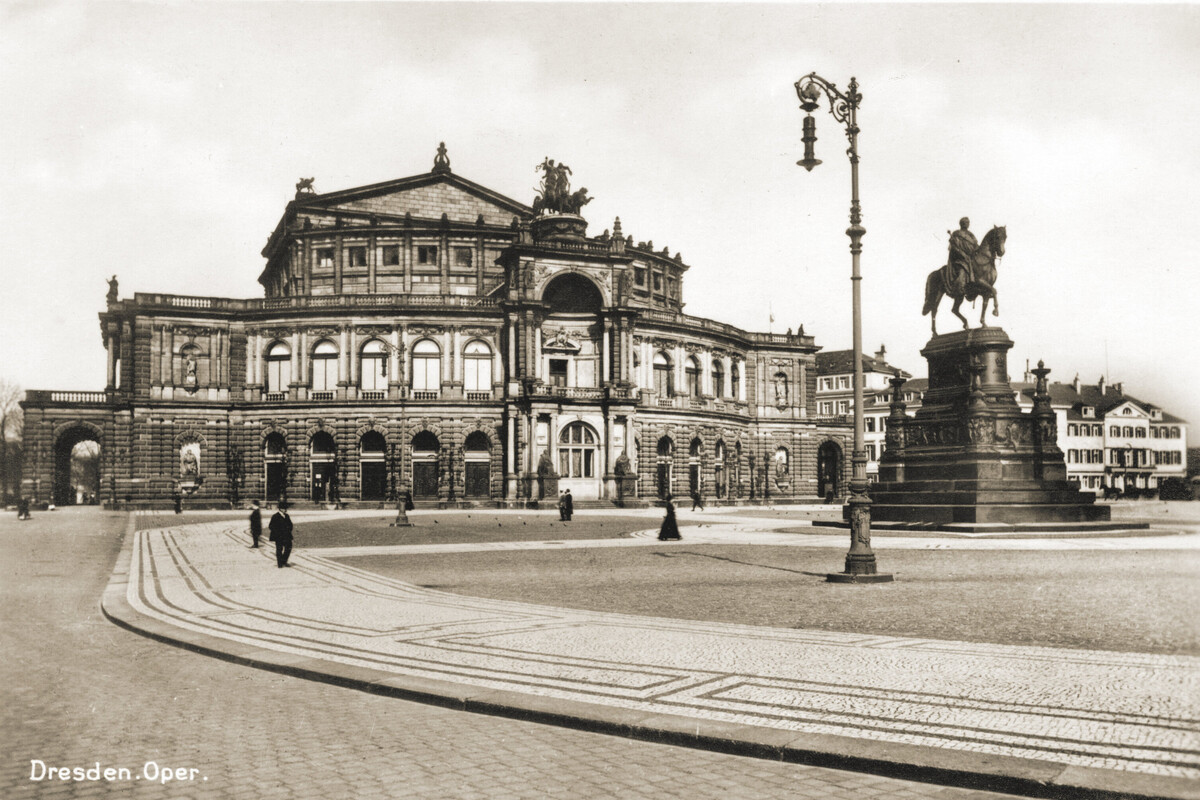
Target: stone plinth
970	455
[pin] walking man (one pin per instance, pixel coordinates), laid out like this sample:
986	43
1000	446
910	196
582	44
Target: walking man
255	523
568	506
281	535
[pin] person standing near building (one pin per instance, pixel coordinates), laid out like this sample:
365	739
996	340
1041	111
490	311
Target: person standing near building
568	506
281	535
697	500
255	523
177	497
670	528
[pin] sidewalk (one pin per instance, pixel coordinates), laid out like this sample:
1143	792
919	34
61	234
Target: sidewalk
1031	720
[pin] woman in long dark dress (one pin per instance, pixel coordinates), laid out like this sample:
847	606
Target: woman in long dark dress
669	529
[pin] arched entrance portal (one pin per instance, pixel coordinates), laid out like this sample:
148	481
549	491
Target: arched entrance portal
477	457
829	469
579	461
425	447
372	466
77	467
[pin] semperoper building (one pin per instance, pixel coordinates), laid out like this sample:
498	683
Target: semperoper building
430	335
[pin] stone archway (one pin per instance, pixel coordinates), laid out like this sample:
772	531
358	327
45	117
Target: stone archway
76	473
829	469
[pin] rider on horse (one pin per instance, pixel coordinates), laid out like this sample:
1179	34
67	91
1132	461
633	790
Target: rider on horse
962	251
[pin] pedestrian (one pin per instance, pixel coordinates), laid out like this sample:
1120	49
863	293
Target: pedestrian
669	529
562	506
255	523
697	500
281	535
408	503
178	498
23	508
568	505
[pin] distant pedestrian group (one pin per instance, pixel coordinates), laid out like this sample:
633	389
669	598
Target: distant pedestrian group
566	506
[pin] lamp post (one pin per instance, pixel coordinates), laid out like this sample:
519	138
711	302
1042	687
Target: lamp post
860	560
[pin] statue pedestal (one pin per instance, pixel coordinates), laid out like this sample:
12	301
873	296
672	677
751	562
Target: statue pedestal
970	457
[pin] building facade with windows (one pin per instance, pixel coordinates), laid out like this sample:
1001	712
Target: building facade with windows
429	335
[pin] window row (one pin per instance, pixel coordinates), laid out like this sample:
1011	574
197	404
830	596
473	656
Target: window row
664	376
425	375
1074	429
1156	432
389	256
1085	456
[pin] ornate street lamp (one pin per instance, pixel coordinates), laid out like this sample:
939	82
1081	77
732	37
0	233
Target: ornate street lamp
860	560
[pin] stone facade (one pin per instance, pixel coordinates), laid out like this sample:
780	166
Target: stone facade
429	335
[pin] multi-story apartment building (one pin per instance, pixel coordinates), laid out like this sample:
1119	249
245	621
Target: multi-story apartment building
835	395
430	335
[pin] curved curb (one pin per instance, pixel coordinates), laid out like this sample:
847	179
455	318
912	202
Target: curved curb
963	769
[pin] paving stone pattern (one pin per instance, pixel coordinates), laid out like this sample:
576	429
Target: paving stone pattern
80	690
1125	711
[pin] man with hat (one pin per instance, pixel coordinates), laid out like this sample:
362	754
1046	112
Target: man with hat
255	523
281	535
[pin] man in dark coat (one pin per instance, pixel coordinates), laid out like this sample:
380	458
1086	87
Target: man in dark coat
255	523
281	535
568	506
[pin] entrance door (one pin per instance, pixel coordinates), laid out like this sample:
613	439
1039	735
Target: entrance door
322	471
425	482
478	479
374	480
274	480
829	469
664	480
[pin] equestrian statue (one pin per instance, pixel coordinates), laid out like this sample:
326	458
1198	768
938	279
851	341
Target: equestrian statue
970	272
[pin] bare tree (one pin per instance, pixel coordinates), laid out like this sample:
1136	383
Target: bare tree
12	425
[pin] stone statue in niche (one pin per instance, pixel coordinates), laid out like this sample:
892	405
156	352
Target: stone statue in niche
189	460
781	390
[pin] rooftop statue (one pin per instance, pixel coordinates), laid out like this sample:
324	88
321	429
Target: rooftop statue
305	186
441	161
970	272
554	194
112	290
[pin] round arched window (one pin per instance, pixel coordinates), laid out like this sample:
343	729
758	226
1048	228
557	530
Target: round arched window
279	368
426	366
372	370
577	451
477	367
325	367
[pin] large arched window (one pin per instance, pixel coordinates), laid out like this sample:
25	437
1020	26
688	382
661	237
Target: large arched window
426	369
694	451
372	466
691	369
577	451
664	375
735	380
477	368
279	368
324	368
372	368
718	378
719	477
477	465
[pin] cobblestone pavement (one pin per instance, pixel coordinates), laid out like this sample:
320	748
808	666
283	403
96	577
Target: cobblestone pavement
1115	711
80	690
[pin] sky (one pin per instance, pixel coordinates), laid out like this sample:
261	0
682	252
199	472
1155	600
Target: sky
160	142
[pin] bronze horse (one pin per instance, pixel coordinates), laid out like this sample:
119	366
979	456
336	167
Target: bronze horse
960	288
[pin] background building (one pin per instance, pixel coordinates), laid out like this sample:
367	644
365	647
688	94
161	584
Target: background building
430	335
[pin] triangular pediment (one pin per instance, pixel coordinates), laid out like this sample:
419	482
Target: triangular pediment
424	197
1127	410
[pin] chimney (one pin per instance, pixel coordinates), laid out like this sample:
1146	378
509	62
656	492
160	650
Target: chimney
1118	386
1100	385
1075	383
881	354
1028	377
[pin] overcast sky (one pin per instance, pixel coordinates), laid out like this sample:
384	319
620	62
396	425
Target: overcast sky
160	142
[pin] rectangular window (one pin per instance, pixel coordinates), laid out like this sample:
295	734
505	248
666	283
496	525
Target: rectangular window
427	254
657	282
357	256
843	407
279	374
843	382
391	255
325	257
826	409
558	372
639	276
426	374
477	374
869	424
870	452
324	374
462	257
